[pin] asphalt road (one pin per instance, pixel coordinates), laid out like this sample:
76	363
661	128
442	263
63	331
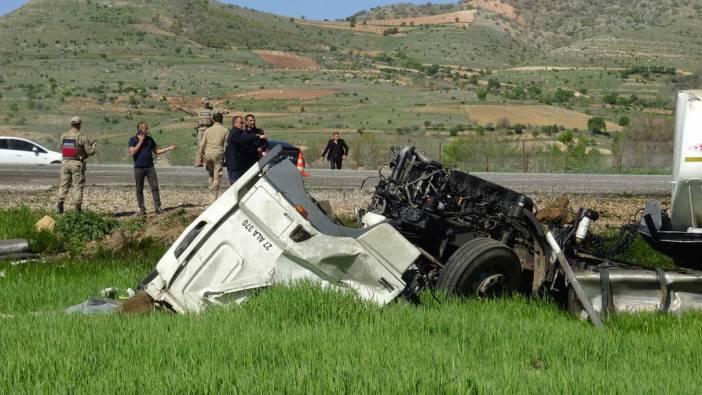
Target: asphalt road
44	177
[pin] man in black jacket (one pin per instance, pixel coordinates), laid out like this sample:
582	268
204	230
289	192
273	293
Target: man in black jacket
242	149
336	151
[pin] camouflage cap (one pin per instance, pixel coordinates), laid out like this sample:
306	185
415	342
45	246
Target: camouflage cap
75	121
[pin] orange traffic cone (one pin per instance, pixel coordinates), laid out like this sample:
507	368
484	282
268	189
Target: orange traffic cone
301	165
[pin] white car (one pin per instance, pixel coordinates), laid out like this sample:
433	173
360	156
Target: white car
19	151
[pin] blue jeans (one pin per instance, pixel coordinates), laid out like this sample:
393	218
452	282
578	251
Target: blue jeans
234	174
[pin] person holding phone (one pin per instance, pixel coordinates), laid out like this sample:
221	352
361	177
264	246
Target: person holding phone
143	147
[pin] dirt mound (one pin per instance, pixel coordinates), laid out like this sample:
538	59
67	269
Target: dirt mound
286	60
286	94
164	229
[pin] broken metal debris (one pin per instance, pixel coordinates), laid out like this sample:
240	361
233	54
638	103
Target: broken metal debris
470	225
427	228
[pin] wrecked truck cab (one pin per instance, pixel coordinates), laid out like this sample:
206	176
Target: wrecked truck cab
265	230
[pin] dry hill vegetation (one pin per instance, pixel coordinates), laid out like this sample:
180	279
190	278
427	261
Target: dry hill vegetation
394	74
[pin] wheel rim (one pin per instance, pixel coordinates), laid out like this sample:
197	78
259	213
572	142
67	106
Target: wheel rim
492	285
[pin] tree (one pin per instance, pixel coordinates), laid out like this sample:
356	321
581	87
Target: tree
432	70
624	121
596	125
610	98
565	137
482	94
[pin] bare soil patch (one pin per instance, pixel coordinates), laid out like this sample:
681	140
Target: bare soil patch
378	26
498	7
151	29
344	26
286	60
540	115
451	18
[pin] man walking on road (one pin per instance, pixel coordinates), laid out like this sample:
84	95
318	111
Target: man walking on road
211	152
142	147
242	149
75	148
336	151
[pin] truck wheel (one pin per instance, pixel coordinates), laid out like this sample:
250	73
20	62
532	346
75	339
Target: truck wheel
482	267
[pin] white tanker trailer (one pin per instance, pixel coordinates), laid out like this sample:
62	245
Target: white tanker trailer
678	234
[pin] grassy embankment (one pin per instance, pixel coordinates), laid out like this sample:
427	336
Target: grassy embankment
304	340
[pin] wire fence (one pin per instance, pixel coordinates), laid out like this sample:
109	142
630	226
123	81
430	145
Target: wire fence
532	156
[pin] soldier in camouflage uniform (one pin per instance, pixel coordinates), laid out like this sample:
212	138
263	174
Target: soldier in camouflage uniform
75	148
211	152
204	121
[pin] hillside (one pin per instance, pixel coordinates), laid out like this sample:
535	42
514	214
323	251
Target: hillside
405	10
420	74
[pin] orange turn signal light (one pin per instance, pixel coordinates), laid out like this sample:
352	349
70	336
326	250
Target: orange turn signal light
302	211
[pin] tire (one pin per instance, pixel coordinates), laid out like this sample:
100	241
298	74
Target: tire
482	267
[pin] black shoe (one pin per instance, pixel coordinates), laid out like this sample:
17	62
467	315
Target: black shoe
79	207
142	211
158	210
59	208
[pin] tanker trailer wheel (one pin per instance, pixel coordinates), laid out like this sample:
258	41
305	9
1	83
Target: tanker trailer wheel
482	267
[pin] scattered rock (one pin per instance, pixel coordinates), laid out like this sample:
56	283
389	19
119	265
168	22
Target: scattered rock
45	224
558	212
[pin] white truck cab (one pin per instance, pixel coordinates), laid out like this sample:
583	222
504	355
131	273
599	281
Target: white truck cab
265	230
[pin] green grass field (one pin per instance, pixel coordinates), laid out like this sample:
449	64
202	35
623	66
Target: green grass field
306	340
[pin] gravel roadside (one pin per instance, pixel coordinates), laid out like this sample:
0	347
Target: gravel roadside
615	210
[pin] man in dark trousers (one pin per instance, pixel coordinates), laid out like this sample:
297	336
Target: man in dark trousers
142	147
242	149
336	151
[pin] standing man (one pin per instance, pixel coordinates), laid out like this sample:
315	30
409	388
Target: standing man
250	127
211	152
204	121
242	149
142	147
75	148
336	151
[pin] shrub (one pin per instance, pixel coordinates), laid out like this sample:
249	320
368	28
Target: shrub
82	226
596	125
